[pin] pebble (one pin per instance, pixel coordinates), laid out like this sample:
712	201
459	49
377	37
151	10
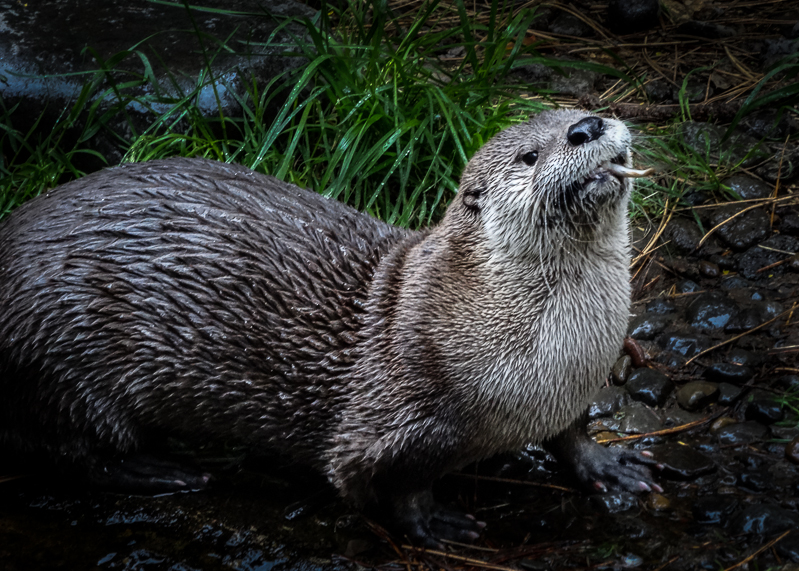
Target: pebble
684	235
754	481
743	357
645	327
621	370
728	373
661	306
614	502
742	433
697	394
671	360
713	509
686	345
764	409
734	282
649	386
728	394
764	519
788	548
747	187
790	224
682	462
631	16
757	258
793	263
743	231
709	269
636	418
711	310
686	286
677	417
789	383
720	423
608	401
658	502
792	450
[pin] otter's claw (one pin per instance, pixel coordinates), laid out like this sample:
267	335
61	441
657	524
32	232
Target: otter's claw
425	523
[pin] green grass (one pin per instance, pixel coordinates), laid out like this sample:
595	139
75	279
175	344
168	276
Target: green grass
371	119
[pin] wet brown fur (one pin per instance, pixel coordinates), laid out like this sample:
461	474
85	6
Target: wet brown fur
204	300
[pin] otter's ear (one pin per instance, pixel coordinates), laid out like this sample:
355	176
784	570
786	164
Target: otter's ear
473	197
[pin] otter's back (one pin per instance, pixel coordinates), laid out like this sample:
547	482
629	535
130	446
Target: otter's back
186	295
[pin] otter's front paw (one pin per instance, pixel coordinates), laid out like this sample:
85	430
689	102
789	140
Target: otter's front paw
425	523
606	469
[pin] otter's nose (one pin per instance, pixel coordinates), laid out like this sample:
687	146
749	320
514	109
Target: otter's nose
585	131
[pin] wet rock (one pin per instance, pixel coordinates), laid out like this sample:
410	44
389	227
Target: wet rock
771	252
745	320
744	230
790	224
728	394
706	29
788	383
743	357
703	138
762	408
706	139
742	433
614	502
42	53
684	235
686	286
725	261
636	418
608	401
747	187
720	423
671	360
764	519
754	481
621	370
709	269
696	395
792	450
576	82
793	263
630	16
734	282
658	91
657	502
678	417
682	462
661	306
646	326
565	24
784	168
649	386
711	310
713	509
728	373
788	548
685	345
769	123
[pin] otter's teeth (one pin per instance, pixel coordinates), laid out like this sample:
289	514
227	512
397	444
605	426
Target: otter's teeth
620	170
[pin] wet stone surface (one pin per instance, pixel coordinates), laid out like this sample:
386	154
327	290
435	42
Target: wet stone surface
649	386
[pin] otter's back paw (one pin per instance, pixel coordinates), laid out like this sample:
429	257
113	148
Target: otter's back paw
146	475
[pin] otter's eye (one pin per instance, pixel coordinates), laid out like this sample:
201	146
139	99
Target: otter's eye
530	158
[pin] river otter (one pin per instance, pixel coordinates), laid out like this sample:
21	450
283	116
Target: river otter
204	300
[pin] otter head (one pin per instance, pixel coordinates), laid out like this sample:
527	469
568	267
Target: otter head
561	179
